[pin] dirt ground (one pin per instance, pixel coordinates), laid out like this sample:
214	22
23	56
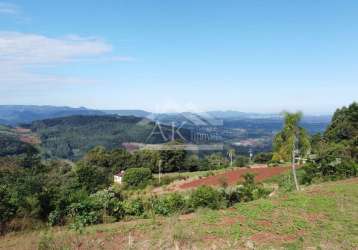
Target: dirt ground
234	176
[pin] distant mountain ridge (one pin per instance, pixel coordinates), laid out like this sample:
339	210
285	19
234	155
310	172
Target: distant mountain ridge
128	112
20	114
17	114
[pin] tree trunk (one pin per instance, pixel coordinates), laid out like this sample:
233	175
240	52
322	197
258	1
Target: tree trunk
294	171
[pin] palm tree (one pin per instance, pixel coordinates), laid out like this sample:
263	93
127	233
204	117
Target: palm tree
231	153
291	142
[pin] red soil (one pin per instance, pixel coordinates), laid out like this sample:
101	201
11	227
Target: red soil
234	176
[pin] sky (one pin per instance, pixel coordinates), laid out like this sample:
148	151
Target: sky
164	56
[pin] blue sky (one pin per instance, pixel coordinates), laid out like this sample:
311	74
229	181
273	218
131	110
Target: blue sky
258	56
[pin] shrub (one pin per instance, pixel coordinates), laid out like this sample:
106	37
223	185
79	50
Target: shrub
263	157
84	213
136	177
232	195
116	209
205	196
242	161
133	207
248	187
110	202
54	218
7	209
209	173
170	204
250	190
328	170
46	241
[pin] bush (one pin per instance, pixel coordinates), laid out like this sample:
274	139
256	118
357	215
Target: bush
46	241
250	190
247	190
84	213
329	171
241	161
170	204
263	157
110	202
116	209
54	218
205	196
7	209
133	207
232	196
136	177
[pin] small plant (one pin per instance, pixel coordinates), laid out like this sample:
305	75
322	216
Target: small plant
250	190
46	241
209	173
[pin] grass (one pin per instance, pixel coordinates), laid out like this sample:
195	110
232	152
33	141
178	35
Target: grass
323	216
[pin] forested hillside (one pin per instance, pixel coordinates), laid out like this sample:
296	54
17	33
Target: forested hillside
71	137
336	150
11	143
344	129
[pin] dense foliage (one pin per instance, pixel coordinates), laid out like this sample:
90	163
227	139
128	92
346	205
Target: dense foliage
71	137
135	177
335	152
10	143
291	136
263	157
344	129
58	193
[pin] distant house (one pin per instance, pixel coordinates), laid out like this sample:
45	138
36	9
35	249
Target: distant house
118	177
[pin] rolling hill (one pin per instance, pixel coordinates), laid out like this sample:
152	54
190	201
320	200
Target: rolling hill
71	137
13	142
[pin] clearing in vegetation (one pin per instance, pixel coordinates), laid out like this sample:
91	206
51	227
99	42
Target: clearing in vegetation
232	177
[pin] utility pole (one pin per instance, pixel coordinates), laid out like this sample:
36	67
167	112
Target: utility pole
159	170
294	150
173	132
250	155
230	153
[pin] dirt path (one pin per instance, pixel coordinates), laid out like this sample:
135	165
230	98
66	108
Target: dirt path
234	176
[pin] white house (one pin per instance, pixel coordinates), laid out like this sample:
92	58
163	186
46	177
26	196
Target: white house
118	177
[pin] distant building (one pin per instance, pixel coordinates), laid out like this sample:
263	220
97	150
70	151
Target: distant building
118	177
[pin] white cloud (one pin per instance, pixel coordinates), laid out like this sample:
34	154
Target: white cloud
32	49
9	9
21	51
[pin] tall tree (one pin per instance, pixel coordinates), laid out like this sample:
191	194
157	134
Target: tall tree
231	153
291	142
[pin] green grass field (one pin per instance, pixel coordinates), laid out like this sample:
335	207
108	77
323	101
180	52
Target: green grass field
323	216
